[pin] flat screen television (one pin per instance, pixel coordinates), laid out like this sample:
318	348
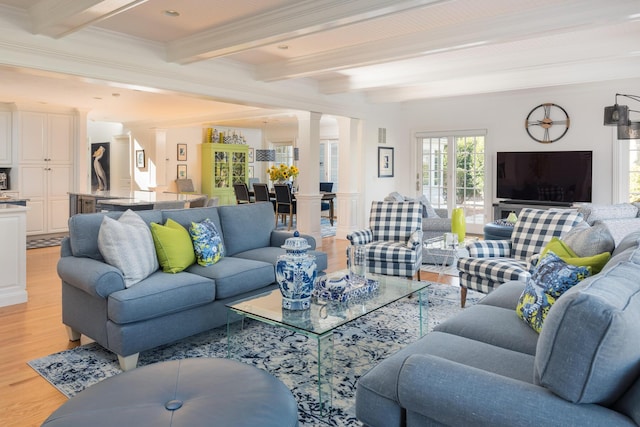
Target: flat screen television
552	177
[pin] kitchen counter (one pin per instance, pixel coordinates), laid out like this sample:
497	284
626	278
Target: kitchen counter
134	200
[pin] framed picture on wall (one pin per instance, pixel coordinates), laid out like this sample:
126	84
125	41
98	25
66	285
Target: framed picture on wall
140	158
250	154
182	152
385	162
251	172
182	171
100	166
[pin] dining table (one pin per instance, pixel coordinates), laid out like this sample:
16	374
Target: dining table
326	197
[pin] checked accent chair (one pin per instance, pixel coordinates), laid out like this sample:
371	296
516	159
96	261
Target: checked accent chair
394	238
493	262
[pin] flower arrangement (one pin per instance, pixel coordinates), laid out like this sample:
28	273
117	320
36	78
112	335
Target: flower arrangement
282	172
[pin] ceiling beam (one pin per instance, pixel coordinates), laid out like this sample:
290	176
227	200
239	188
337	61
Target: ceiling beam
604	44
529	78
565	17
58	18
294	20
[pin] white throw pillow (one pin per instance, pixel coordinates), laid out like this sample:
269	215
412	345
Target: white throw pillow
127	244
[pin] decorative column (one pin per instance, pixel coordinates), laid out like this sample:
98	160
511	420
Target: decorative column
308	196
350	198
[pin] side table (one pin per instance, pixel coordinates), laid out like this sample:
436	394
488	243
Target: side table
435	252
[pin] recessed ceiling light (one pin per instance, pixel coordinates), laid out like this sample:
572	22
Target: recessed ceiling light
171	13
283	46
116	94
97	97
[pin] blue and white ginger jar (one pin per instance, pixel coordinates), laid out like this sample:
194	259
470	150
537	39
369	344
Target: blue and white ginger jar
296	273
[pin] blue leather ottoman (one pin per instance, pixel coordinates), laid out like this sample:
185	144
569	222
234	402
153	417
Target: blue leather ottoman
180	393
493	231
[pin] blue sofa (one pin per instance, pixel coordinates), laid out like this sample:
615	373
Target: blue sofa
166	307
486	367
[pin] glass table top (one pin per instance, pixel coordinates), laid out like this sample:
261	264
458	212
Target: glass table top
324	316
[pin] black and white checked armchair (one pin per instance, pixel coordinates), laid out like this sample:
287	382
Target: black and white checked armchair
493	262
394	238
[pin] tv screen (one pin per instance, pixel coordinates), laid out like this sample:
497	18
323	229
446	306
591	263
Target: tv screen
561	177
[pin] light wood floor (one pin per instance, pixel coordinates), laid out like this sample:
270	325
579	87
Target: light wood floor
34	329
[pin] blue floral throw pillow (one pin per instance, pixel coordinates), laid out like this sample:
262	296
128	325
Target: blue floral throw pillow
551	278
207	242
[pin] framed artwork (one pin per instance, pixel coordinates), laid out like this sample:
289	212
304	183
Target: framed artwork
250	154
182	152
385	162
182	171
140	158
251	172
100	166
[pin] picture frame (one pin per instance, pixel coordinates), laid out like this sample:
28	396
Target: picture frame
140	159
182	172
251	171
182	152
385	162
251	155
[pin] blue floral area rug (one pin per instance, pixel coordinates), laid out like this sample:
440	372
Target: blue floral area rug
358	346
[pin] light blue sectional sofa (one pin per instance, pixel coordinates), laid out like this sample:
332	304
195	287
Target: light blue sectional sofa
486	367
166	307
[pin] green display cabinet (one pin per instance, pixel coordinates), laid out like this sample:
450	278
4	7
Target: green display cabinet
222	166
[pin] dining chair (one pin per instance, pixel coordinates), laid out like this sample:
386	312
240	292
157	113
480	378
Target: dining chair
185	185
285	205
261	193
325	187
242	193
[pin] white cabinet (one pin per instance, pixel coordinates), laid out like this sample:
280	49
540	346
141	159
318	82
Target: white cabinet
46	137
5	138
46	169
13	255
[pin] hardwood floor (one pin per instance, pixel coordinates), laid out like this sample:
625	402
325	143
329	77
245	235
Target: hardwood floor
34	329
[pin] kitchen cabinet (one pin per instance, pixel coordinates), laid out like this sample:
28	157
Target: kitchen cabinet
45	171
13	255
5	139
222	166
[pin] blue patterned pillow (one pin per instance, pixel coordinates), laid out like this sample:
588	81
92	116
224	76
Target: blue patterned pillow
207	242
551	278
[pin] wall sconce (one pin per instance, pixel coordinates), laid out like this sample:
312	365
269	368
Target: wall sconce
618	115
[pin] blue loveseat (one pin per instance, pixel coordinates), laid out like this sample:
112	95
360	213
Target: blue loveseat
486	367
166	307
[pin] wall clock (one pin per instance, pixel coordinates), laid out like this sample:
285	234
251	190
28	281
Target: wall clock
547	123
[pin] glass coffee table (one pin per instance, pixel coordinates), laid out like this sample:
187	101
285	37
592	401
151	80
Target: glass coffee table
320	321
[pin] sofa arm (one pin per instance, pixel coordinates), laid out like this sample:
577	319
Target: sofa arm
455	394
442	212
93	277
360	237
489	248
278	238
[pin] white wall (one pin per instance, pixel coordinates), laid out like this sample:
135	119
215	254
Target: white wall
503	115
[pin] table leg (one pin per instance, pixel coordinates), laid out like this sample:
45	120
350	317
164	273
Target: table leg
423	307
325	372
331	211
235	325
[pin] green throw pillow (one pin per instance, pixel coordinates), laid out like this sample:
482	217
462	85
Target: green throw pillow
562	249
173	246
207	242
551	278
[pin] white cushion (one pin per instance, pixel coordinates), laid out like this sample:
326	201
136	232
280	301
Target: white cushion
127	244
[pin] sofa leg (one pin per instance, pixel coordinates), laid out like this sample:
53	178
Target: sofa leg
128	363
463	296
72	333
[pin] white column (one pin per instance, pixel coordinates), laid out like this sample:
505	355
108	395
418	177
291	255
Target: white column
350	198
308	196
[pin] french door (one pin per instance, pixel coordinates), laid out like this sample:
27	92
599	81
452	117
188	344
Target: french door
453	173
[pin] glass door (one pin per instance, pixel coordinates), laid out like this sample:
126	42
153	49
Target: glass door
455	183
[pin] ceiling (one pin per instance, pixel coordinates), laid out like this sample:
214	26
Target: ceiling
382	50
